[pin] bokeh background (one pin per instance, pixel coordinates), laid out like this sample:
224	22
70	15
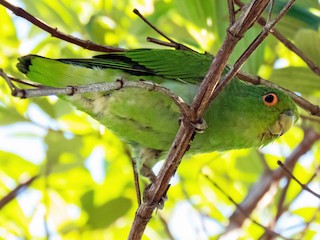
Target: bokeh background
85	189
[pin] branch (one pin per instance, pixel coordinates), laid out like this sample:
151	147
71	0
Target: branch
303	186
16	191
235	68
94	87
315	68
243	212
56	33
306	105
261	188
186	131
172	43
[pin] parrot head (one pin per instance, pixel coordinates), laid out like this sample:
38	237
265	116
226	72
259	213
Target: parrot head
275	113
277	101
246	116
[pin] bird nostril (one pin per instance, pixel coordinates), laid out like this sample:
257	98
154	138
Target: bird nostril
288	113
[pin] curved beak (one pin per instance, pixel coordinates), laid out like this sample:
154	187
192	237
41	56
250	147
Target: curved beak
283	124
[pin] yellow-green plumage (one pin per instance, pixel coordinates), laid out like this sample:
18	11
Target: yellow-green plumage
237	118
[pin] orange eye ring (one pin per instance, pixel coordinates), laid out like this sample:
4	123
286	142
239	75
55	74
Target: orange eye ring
270	99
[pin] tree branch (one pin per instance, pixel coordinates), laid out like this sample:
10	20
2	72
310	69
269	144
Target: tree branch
315	68
243	212
291	176
303	103
56	33
262	187
41	91
14	193
186	131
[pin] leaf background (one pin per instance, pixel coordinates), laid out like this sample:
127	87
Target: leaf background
86	186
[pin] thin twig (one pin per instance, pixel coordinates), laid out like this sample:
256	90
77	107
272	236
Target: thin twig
315	68
177	45
270	11
267	230
96	87
310	118
262	187
135	176
303	186
161	43
235	68
56	33
309	107
16	191
232	17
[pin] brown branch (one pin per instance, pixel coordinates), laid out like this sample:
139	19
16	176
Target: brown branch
232	17
173	43
186	131
16	191
235	68
303	186
56	33
281	209
135	175
261	188
95	87
310	118
309	107
243	212
315	68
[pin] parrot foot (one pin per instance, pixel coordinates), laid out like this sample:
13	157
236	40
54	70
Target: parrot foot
147	172
160	204
199	126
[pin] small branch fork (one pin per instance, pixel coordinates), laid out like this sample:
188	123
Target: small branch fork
243	212
315	68
303	186
270	178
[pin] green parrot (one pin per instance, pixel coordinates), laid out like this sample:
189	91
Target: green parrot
242	116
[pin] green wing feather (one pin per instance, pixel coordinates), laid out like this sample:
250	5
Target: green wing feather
185	66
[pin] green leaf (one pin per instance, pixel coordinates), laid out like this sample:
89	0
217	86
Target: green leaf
10	116
308	41
298	79
63	150
300	11
104	215
14	166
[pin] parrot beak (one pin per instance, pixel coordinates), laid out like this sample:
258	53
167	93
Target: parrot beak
283	124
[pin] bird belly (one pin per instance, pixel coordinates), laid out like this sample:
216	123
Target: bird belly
137	116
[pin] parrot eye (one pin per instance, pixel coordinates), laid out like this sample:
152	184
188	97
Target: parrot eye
270	99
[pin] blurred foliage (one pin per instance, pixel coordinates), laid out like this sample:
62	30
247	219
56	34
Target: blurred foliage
86	188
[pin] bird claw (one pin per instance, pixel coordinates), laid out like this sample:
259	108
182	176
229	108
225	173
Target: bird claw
200	126
159	205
